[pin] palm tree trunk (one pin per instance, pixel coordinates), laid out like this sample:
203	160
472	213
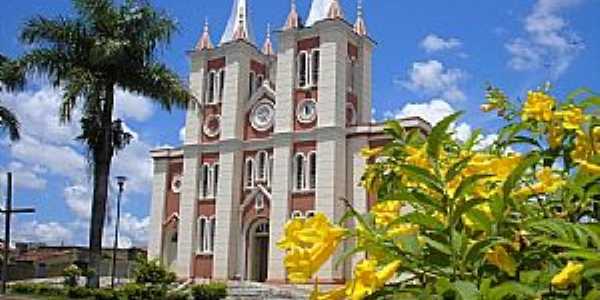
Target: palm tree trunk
102	155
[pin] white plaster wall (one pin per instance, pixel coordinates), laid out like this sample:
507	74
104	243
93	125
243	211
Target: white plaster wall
157	208
188	206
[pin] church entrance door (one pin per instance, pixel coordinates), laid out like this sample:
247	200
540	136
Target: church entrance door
259	251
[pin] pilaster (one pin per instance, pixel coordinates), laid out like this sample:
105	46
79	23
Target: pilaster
157	208
188	206
331	107
227	215
286	74
365	91
236	90
282	156
193	121
357	194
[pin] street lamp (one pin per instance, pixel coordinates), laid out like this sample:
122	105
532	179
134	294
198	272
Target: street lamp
121	183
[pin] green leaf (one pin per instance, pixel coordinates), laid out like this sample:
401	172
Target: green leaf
420	219
478	250
511	288
423	176
465	207
590	101
593	295
582	254
394	129
518	172
456	168
437	245
468	183
466	290
572	96
436	137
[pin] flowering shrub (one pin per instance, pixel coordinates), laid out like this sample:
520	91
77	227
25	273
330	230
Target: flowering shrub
516	220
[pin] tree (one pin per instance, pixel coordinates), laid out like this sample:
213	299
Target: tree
11	77
88	55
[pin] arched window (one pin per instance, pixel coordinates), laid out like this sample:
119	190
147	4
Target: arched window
259	201
215	179
221	83
213	228
262	165
251	83
211	87
297	214
315	60
302	66
299	181
205	180
249	173
259	80
312	170
203	230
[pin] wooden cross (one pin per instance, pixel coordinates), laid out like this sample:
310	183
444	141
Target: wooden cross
8	211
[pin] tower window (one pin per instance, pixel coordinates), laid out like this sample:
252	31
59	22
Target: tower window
221	83
211	87
299	181
205	235
312	170
215	179
251	83
259	81
315	60
249	173
206	188
303	69
213	228
263	165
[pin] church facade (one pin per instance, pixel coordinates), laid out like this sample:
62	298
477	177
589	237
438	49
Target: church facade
274	135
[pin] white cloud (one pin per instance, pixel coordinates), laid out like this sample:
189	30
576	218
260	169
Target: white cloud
433	43
182	134
432	78
432	112
51	233
79	200
135	163
24	177
132	106
548	41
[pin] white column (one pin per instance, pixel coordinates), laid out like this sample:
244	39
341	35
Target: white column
358	165
227	215
331	187
193	121
331	107
286	74
236	91
157	208
188	206
365	96
279	206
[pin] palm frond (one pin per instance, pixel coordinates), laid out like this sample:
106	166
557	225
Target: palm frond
12	74
51	62
9	122
160	84
60	32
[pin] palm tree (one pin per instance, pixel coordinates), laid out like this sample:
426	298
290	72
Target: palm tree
101	48
11	77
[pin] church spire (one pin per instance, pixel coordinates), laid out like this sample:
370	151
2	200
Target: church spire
293	20
268	46
204	42
360	27
239	26
324	9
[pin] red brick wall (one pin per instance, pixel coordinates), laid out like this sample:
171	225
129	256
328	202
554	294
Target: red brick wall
203	266
172	199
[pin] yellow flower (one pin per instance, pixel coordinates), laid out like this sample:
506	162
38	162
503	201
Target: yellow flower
335	294
367	279
582	146
572	117
538	107
548	182
501	259
371	152
570	275
589	168
555	136
417	156
309	244
400	230
386	212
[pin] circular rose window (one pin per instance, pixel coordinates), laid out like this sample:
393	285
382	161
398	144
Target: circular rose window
176	184
262	115
212	126
307	111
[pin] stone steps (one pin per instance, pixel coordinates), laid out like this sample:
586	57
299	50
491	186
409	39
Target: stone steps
257	291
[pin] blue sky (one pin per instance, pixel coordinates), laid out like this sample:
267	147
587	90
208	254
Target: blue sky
432	57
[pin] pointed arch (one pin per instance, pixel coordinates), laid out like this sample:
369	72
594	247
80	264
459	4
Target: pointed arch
249	173
299	172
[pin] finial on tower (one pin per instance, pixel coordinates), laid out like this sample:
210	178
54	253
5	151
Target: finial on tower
335	10
204	42
360	27
293	20
268	46
239	26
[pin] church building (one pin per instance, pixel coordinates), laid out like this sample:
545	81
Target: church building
275	134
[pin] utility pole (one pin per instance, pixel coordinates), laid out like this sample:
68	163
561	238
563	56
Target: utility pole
8	211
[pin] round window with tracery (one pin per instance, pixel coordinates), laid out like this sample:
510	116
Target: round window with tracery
307	111
212	126
176	184
262	115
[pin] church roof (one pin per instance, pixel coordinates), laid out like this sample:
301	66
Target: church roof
324	9
239	25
